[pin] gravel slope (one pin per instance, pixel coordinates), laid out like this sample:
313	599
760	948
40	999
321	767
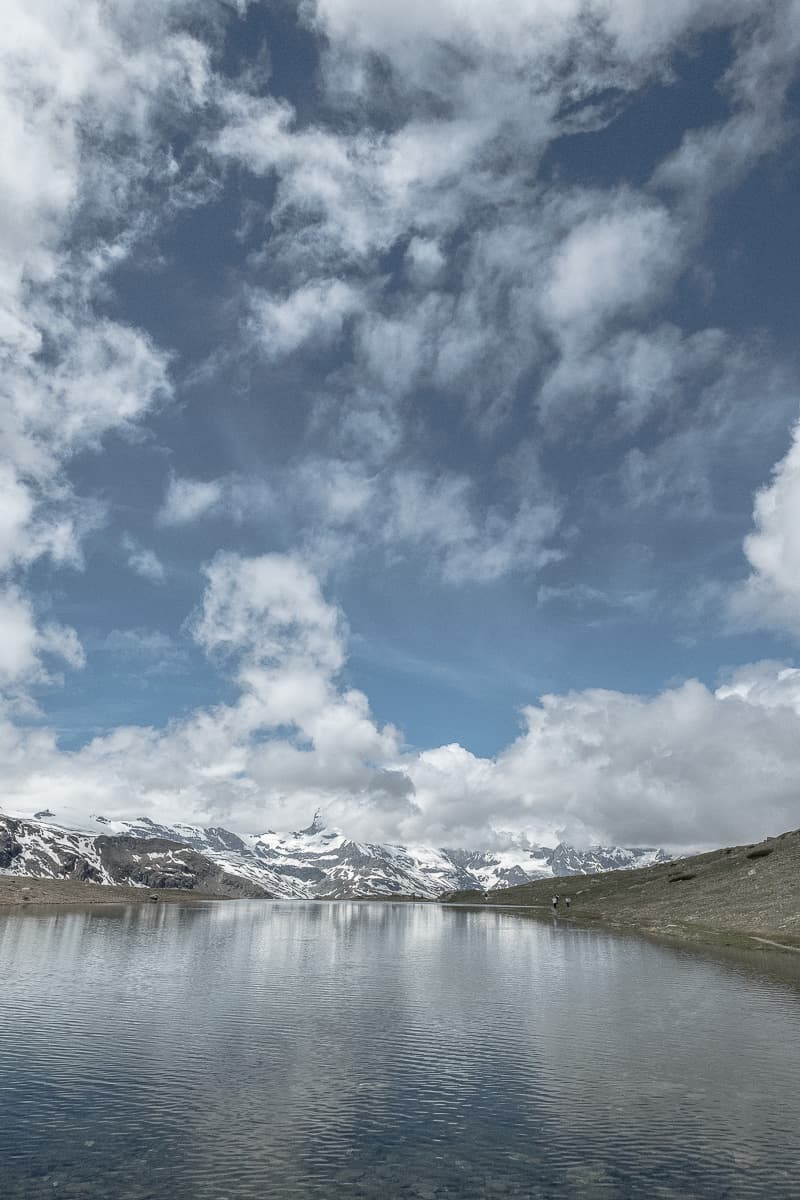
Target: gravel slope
740	894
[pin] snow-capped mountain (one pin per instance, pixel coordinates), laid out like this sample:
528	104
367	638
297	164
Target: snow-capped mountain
311	862
34	849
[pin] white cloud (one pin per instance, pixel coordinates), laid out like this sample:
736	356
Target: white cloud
235	497
340	491
22	644
142	561
713	158
313	313
16	510
686	767
189	499
19	641
84	169
465	543
348	510
618	261
644	375
267	608
414	37
771	595
508	279
108	378
695	394
295	735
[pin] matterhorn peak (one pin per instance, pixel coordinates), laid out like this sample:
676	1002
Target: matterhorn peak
316	826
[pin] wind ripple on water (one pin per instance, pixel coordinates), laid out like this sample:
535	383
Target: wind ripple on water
343	1050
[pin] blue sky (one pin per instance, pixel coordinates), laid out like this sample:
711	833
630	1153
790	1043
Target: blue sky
399	416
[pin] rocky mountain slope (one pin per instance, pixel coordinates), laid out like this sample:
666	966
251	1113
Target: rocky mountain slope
312	862
33	849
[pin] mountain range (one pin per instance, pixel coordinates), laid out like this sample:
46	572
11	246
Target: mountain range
309	863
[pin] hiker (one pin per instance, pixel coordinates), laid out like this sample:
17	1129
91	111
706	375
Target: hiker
555	903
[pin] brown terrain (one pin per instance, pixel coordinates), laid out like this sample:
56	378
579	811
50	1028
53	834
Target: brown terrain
740	895
16	890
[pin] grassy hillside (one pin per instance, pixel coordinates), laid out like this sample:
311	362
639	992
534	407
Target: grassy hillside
737	894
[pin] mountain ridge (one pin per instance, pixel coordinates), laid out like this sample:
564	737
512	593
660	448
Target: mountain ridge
310	863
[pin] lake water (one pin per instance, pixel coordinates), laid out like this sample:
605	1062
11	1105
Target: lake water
249	1051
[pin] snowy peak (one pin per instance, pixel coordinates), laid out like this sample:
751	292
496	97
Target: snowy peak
316	826
314	862
566	860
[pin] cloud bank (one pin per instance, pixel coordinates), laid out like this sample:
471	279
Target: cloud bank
686	767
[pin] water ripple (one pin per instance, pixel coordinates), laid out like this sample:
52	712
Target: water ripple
239	1051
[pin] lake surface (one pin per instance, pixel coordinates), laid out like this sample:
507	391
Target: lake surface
257	1050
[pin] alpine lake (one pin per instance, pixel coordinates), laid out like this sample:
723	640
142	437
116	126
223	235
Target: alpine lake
254	1049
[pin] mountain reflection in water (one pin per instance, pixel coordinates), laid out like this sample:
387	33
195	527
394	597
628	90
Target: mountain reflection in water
297	1049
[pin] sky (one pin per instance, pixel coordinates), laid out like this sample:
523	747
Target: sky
400	415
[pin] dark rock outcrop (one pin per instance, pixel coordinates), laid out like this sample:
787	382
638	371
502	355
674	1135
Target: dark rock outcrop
158	863
9	849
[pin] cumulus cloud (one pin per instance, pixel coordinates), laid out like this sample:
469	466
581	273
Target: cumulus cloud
771	595
266	608
687	767
295	735
23	645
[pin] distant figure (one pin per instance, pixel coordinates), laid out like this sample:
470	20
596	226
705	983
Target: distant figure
555	903
567	901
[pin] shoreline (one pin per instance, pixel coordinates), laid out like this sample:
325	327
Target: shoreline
23	892
677	933
735	898
744	897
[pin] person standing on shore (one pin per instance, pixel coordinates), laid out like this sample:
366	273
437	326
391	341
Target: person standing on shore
567	901
555	903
